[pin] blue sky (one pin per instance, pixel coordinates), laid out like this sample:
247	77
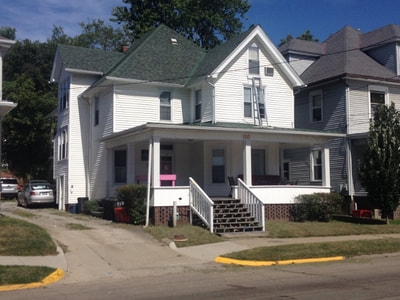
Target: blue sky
34	19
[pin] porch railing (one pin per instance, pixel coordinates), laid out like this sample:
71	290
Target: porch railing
201	204
253	204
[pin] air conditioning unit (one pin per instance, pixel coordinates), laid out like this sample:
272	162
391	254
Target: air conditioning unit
269	71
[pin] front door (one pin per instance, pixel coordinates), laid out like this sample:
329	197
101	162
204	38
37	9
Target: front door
166	168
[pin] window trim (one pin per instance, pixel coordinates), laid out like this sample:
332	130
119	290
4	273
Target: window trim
377	89
63	144
253	70
115	166
96	117
311	106
198	104
288	171
312	165
63	94
251	101
163	105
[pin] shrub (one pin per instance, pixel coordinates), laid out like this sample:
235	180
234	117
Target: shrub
134	198
90	206
317	207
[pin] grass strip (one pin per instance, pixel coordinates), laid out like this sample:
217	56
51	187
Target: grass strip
316	250
24	214
284	229
20	238
195	235
23	274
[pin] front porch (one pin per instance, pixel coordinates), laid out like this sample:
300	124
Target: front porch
165	156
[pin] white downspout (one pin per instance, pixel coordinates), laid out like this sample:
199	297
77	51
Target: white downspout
149	168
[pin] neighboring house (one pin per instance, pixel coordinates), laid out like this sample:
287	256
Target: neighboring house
168	110
347	76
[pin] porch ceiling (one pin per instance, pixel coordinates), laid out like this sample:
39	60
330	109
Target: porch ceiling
219	132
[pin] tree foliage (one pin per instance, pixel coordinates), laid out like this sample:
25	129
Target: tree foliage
27	129
7	32
380	168
205	22
306	36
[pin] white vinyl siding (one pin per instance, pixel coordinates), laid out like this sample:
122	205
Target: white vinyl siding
78	138
278	95
139	104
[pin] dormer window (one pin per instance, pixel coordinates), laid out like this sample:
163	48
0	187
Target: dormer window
254	60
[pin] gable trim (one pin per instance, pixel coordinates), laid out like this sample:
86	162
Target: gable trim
277	57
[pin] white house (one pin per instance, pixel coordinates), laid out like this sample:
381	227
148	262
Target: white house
187	119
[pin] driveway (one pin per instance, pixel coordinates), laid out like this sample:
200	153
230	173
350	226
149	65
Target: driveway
107	250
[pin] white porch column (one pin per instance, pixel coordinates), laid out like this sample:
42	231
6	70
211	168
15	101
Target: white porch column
326	170
156	162
247	162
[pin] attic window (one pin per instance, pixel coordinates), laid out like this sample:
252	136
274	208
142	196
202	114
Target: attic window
254	60
174	41
269	71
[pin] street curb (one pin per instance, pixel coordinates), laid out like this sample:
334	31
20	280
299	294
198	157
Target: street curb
53	277
254	263
168	242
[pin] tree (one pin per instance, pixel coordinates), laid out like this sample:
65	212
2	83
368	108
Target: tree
205	22
306	36
27	129
7	32
380	168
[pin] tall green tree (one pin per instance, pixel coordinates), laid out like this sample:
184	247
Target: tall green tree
380	168
205	22
306	36
27	129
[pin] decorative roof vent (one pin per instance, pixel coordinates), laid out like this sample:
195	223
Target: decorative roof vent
174	41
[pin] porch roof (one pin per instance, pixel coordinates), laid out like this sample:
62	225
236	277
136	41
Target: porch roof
223	131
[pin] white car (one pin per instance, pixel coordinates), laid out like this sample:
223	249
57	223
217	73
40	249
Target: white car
36	192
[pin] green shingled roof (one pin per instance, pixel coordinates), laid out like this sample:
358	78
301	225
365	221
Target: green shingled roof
86	59
161	55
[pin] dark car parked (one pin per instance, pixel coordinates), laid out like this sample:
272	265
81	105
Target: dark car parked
9	188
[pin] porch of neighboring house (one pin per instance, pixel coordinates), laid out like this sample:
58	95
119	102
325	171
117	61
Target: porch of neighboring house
232	179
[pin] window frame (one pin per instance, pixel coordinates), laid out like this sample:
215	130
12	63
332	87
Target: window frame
313	165
63	94
96	118
284	171
119	168
63	144
163	105
216	178
197	105
261	104
312	108
382	90
254	64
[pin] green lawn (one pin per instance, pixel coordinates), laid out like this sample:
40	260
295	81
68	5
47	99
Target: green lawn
20	238
285	229
23	274
316	250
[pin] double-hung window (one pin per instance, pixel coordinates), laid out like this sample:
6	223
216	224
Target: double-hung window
248	102
120	163
96	111
198	105
63	144
254	60
63	94
218	166
316	165
316	106
165	106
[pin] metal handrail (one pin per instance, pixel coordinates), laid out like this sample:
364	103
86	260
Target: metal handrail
201	204
255	206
